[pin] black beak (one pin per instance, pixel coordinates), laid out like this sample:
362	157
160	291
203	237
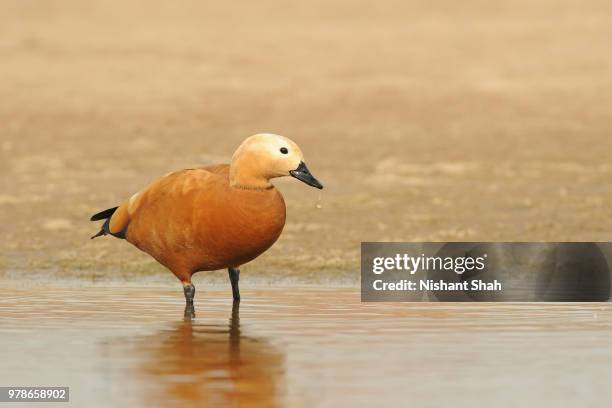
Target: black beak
303	174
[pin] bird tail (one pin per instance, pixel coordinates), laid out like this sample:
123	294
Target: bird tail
103	215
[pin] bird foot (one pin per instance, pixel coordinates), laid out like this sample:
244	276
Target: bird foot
189	312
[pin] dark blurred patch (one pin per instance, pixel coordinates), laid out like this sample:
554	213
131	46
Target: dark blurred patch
579	273
551	272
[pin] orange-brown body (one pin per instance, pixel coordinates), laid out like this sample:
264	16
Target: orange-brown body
194	220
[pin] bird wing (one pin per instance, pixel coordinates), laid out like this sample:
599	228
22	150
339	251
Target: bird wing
171	183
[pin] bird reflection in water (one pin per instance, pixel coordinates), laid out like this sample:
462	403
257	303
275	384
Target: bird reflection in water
211	365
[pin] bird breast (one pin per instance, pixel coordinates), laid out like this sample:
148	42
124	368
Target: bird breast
237	230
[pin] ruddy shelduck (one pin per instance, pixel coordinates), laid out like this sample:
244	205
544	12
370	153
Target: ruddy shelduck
214	217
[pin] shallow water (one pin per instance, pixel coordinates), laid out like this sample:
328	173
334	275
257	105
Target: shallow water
306	346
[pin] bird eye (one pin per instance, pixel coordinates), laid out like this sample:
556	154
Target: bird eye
284	150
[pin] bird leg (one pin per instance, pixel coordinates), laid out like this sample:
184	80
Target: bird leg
189	290
234	275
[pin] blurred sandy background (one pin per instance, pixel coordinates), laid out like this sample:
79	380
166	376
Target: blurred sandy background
425	120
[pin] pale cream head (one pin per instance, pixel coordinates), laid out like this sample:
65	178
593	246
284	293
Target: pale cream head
264	156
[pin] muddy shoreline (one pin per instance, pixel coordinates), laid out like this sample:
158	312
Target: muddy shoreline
488	123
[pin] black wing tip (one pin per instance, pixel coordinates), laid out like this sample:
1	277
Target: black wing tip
102	215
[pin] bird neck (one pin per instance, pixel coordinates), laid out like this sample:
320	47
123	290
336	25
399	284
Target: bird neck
246	175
